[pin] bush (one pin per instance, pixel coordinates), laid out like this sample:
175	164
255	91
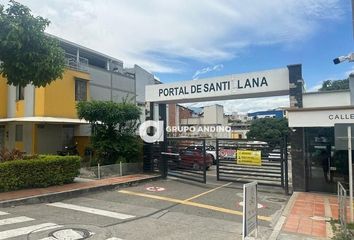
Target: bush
43	171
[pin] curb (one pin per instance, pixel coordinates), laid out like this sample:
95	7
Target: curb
58	196
278	226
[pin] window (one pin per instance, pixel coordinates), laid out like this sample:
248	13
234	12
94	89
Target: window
19	133
80	89
20	93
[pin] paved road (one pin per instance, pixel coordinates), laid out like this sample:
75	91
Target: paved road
165	209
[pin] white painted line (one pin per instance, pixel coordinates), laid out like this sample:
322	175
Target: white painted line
26	230
3	213
91	210
13	220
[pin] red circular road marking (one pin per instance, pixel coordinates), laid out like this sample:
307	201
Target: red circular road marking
155	189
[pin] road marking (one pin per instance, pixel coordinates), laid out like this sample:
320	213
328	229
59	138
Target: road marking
114	238
194	204
3	213
212	190
91	210
13	220
26	230
155	189
258	205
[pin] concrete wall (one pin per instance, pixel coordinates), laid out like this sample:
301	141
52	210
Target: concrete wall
192	121
11	102
326	99
10	137
29	101
143	78
214	114
110	86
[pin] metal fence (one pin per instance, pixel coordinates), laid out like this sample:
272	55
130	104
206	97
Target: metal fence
71	61
112	170
342	207
270	170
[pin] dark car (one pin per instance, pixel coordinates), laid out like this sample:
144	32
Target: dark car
193	158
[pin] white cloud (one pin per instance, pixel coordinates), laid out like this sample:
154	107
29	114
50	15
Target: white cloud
347	73
157	33
206	70
314	88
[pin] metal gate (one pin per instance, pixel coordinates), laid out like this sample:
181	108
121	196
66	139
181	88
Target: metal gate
189	158
186	158
269	166
183	158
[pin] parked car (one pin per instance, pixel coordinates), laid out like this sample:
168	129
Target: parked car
193	158
208	149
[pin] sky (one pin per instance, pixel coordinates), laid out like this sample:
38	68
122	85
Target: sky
192	39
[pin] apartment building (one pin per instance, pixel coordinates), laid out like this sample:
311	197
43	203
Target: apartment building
44	120
211	117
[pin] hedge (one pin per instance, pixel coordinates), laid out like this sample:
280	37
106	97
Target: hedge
44	171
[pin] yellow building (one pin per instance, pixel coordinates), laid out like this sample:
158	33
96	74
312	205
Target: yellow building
44	120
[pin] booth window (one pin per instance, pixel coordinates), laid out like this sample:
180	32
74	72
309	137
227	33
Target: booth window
19	133
20	93
80	89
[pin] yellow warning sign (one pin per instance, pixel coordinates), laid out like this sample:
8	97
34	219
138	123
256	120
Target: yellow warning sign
247	157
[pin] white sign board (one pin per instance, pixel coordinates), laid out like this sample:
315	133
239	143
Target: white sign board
320	118
250	221
255	84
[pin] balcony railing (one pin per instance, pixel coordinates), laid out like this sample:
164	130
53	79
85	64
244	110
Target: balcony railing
72	62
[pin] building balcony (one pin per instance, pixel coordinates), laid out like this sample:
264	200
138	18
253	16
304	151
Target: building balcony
76	63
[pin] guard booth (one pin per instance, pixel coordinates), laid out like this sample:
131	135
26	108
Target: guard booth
172	156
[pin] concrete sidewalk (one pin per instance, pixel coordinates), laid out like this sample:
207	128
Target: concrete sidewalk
56	193
307	216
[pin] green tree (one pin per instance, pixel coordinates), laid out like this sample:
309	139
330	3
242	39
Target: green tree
330	85
271	130
113	129
27	54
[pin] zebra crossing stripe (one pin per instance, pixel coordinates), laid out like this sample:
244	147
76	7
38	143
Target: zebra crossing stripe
91	210
13	220
26	230
3	213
